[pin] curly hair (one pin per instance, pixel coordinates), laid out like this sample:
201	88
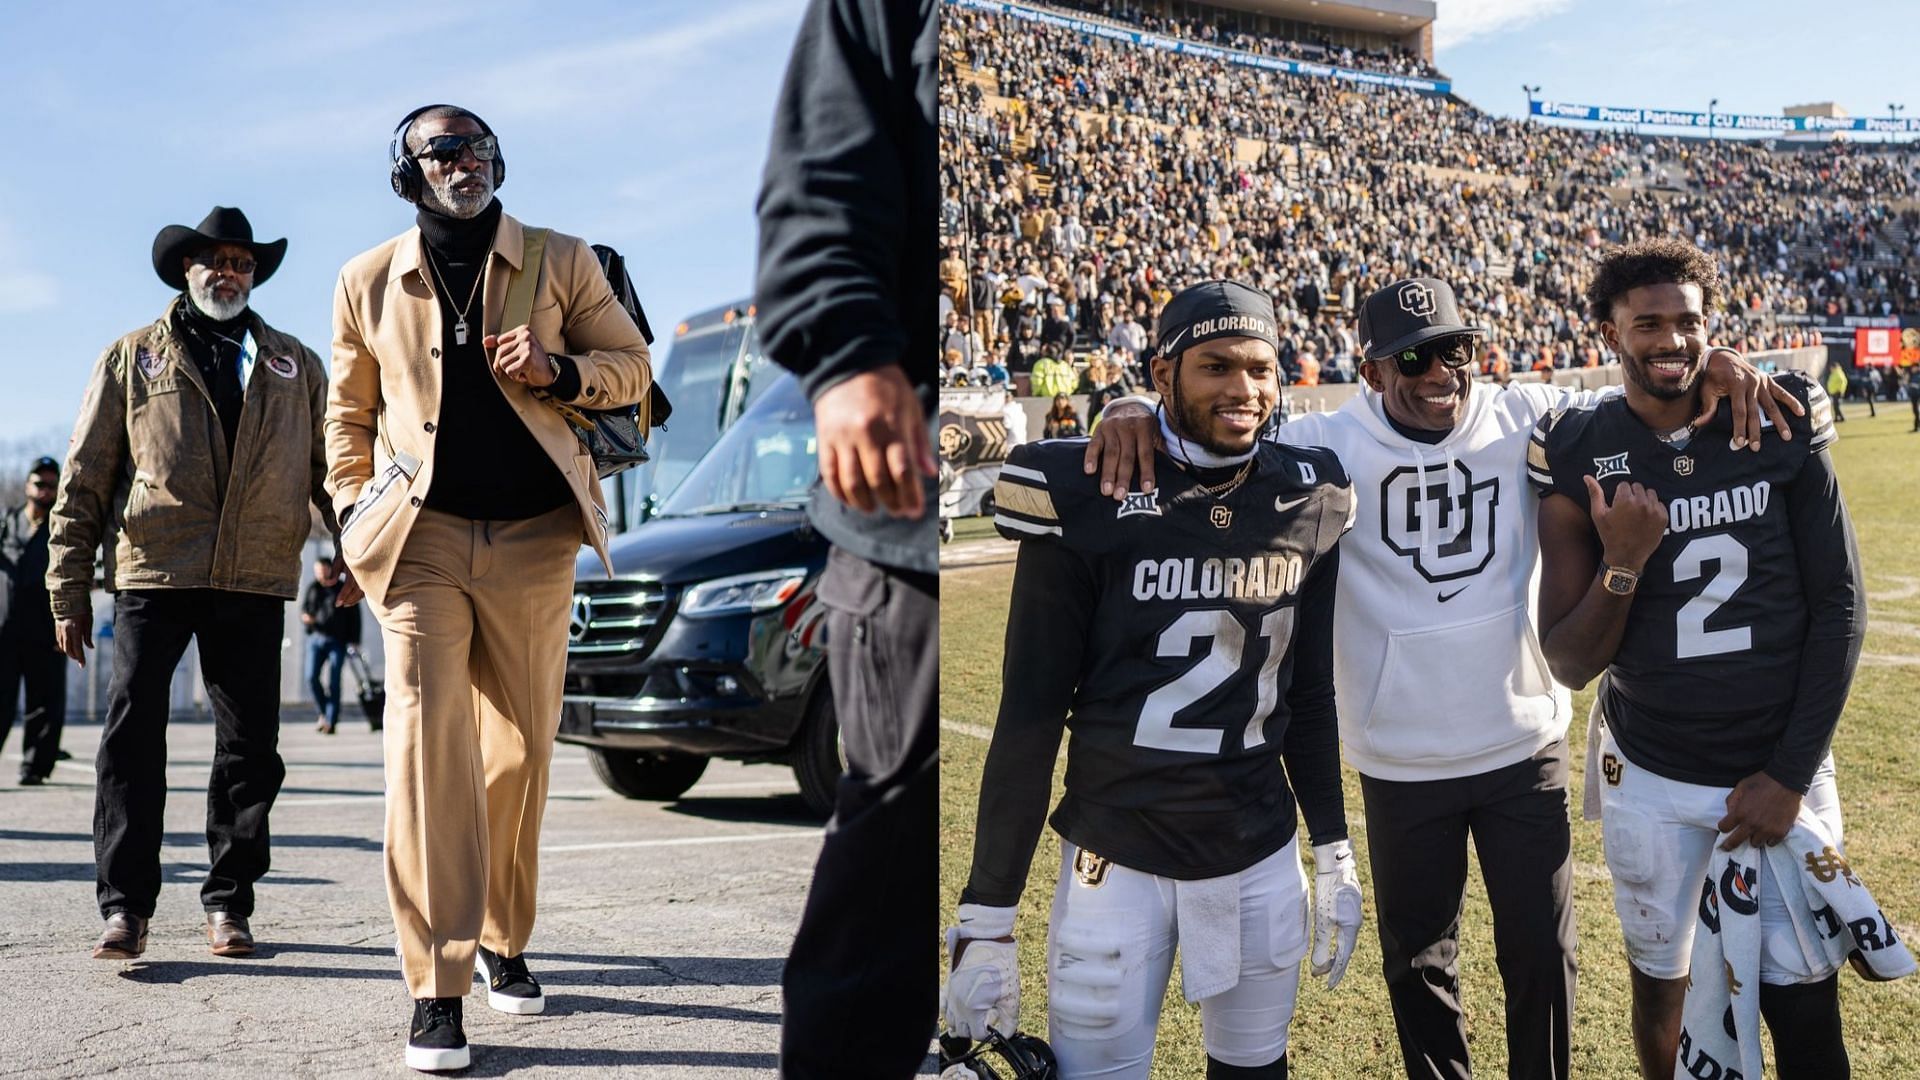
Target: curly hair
1660	261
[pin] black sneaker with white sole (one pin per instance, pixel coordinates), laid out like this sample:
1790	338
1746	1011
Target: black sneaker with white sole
510	987
437	1042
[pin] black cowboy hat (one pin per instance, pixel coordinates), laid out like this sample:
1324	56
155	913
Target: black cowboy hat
224	225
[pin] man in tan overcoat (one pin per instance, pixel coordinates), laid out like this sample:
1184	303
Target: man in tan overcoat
465	500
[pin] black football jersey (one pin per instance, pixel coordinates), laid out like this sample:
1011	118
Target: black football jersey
1180	702
1706	674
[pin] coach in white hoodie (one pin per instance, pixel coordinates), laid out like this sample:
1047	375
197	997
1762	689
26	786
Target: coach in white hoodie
1447	708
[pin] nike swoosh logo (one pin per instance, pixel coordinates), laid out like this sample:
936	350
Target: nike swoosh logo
1166	347
1446	596
1284	505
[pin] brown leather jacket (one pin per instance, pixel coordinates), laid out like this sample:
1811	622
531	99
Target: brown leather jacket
149	459
385	398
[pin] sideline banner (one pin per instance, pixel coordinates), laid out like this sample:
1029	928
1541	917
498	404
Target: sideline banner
1878	347
1637	117
1194	48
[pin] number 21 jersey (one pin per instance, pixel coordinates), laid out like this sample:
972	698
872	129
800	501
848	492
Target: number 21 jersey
1190	670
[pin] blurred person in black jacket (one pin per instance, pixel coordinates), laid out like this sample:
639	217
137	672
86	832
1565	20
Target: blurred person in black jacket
330	629
847	301
28	652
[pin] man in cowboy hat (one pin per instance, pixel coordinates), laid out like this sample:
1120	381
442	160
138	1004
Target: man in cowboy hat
199	440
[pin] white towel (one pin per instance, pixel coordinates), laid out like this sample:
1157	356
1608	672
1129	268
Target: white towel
1834	918
1208	914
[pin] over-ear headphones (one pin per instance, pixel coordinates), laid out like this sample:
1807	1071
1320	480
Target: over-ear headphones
405	173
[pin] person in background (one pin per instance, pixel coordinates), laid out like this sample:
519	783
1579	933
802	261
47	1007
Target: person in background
28	652
331	630
1062	421
846	302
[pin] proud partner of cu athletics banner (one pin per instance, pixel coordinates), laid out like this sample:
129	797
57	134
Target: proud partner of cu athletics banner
1146	40
1719	121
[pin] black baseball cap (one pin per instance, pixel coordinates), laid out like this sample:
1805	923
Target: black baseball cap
42	464
1214	309
1407	313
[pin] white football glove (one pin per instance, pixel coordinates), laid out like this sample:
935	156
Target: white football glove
984	989
1336	909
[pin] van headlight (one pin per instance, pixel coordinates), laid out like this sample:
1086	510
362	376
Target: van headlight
762	590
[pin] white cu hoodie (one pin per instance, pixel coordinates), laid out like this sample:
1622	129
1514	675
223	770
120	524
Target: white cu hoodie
1437	663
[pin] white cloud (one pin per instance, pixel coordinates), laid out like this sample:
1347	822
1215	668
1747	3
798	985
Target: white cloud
1458	21
598	78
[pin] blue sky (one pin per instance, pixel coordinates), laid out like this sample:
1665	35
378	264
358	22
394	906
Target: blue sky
1756	57
637	124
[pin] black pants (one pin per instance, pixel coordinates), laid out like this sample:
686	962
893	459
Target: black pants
239	637
860	982
1417	840
44	670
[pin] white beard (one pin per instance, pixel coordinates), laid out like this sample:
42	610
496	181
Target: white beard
440	197
212	306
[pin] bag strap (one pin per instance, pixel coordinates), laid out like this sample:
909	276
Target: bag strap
519	309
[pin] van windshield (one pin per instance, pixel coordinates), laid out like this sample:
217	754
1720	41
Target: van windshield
765	461
694	377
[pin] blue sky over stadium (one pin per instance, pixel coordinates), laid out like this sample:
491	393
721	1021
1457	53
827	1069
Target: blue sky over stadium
1756	57
638	124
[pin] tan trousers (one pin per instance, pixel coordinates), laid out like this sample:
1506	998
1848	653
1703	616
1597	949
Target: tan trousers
475	628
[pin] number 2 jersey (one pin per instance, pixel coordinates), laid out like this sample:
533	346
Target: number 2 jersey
1746	623
1186	642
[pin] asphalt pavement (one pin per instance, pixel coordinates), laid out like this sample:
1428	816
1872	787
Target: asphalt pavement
662	929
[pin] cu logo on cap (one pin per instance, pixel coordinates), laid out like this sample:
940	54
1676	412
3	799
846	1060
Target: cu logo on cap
1416	299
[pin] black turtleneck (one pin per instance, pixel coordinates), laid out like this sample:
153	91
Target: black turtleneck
486	464
215	346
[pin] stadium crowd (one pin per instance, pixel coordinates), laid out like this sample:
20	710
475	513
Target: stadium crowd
1084	181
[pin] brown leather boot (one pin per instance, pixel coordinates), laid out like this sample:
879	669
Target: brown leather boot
124	939
228	934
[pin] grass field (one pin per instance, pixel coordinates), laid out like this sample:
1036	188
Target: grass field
1348	1033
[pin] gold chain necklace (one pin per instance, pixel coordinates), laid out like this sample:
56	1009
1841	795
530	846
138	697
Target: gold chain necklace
460	322
1227	487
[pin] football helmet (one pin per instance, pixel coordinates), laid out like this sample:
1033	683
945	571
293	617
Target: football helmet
997	1057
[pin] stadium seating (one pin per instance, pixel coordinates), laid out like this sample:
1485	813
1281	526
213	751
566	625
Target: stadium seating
1111	174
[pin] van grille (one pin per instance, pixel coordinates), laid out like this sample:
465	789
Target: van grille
614	617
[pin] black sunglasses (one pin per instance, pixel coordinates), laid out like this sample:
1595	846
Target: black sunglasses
1453	353
446	148
239	264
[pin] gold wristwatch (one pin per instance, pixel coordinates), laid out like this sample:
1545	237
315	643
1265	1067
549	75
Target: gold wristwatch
1620	581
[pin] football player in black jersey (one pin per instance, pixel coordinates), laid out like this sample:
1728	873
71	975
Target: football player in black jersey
1720	593
1184	639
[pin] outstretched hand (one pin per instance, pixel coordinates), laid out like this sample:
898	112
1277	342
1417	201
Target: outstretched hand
1121	445
1760	810
874	445
1753	393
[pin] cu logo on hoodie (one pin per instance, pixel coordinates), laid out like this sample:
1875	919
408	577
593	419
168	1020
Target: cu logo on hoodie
1439	517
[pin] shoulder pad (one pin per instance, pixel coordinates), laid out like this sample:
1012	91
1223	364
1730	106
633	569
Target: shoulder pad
1556	429
1817	426
1041	486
